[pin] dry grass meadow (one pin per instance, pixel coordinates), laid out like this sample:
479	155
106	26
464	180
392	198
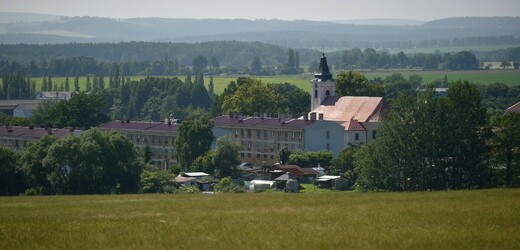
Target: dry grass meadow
484	219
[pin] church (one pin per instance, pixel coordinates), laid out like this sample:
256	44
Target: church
334	122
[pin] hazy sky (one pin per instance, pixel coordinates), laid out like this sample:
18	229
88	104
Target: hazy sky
268	9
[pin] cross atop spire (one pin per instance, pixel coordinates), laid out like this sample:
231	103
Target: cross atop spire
323	72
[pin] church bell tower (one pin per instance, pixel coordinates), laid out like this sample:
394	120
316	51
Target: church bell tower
322	85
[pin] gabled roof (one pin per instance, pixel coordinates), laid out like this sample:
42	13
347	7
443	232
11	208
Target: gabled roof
353	125
299	171
514	109
24	104
346	108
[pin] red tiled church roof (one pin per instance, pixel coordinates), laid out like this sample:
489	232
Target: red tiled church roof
346	108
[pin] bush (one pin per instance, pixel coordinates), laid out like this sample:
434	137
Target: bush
226	185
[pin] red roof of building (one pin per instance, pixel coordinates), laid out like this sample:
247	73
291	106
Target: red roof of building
17	131
353	125
514	109
346	108
261	122
299	171
139	126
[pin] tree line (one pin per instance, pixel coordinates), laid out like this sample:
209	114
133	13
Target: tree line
148	59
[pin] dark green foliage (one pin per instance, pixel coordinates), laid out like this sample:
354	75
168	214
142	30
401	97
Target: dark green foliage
199	64
156	181
147	154
397	84
194	139
226	185
251	96
428	142
93	163
311	159
352	83
283	155
507	148
12	178
31	161
291	99
225	156
81	110
16	86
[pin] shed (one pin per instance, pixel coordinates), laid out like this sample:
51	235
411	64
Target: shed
185	181
261	185
332	182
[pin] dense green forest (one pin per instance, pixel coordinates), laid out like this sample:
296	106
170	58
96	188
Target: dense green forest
213	58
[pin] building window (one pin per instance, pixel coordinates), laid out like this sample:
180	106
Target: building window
315	94
265	133
293	135
258	133
328	146
248	155
327	134
327	93
374	134
166	141
272	133
356	137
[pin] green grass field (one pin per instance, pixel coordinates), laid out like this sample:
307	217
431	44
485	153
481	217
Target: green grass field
484	219
509	77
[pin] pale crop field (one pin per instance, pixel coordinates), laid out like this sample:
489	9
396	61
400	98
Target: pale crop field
484	219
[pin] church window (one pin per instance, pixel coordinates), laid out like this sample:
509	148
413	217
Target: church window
315	94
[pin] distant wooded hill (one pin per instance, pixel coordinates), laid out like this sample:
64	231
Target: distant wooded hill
296	34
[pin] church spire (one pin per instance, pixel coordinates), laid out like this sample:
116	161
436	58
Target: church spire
323	72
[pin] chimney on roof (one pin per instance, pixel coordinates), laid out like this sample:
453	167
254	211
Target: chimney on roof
9	128
313	116
31	127
127	121
320	116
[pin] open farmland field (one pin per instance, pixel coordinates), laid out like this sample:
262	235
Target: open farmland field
509	77
484	219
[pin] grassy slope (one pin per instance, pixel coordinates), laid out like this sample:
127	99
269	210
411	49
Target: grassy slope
436	220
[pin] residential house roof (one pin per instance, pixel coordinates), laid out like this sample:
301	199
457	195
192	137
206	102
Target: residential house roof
514	109
353	125
182	179
346	108
28	132
24	104
267	122
139	126
48	95
299	171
